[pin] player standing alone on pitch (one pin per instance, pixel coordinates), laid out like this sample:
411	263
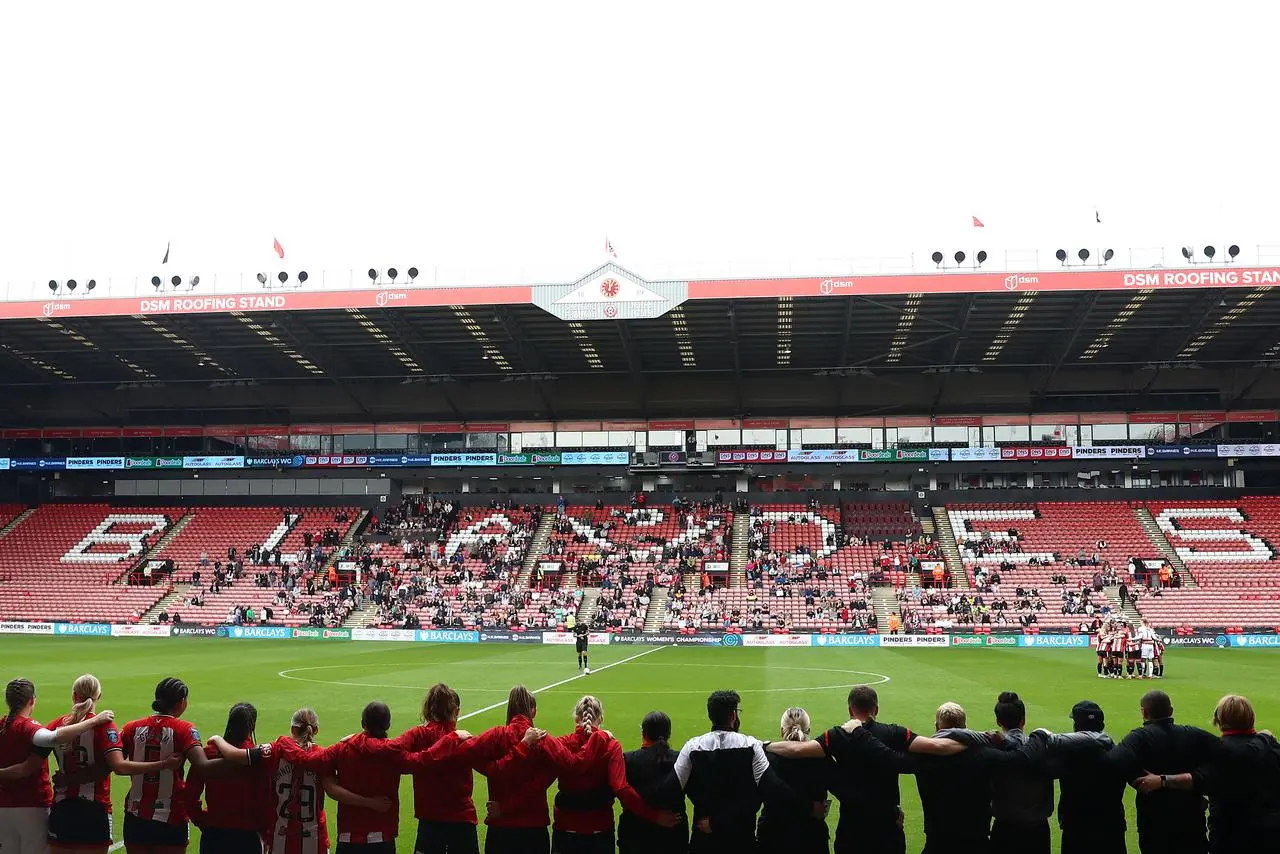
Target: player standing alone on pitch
581	634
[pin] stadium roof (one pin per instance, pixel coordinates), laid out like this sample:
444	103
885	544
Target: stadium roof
1110	340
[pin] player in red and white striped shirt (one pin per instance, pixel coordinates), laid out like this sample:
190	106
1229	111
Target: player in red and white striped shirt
80	821
155	819
297	770
25	793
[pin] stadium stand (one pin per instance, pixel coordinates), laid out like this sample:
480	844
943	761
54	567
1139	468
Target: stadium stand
63	560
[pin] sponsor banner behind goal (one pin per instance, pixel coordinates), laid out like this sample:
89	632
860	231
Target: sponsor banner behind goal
566	638
26	628
777	640
140	631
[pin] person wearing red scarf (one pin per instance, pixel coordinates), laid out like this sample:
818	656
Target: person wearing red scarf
1241	779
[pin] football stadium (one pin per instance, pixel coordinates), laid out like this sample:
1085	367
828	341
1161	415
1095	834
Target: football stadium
351	500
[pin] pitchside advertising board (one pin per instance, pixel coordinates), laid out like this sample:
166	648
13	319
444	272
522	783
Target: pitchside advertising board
943	641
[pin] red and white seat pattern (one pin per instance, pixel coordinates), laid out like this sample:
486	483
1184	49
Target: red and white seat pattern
1052	533
61	561
1213	607
1224	543
794	526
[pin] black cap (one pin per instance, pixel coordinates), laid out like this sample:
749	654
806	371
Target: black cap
1086	711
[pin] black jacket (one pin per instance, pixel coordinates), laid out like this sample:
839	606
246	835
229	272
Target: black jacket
787	823
1243	785
1092	793
651	772
1163	747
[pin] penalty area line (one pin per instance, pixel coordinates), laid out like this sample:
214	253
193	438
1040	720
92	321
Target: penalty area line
573	678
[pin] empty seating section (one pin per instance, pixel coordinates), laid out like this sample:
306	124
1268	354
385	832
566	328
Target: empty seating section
9	512
62	560
1230	548
879	520
1214	607
1037	541
790	527
1224	543
651	535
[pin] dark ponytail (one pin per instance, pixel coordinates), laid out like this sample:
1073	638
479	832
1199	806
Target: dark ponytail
376	719
656	728
169	695
17	694
242	720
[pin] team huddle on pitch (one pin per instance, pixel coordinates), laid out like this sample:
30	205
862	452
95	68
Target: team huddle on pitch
1126	651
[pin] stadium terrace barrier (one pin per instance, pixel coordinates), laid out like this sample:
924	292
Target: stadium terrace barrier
466	636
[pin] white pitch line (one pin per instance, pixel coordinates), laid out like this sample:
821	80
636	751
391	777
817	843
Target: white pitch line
116	847
573	678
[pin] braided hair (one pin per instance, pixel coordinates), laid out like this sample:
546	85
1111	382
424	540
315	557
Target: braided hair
17	695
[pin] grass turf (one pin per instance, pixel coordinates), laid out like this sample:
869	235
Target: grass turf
338	678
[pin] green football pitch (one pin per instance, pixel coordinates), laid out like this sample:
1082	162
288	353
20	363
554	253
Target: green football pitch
337	678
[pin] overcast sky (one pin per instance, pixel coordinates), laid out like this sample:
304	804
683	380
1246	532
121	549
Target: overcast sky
506	140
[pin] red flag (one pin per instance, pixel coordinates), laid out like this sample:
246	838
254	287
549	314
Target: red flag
608	249
280	249
977	223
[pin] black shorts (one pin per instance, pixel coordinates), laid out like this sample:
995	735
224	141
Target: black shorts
78	823
446	837
144	831
563	842
388	847
582	645
220	840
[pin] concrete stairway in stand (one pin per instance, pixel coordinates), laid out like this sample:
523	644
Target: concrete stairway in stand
537	548
16	521
657	609
1162	544
946	537
1130	611
166	603
884	601
362	617
161	544
740	550
589	605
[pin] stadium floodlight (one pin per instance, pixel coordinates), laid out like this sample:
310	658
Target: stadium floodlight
53	286
282	276
1083	255
1108	255
959	257
92	283
195	280
373	275
262	278
302	276
1232	251
71	284
1061	255
1186	252
392	273
1209	252
982	257
175	281
937	258
413	273
155	282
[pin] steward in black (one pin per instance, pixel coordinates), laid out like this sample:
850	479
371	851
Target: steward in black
788	826
651	772
1243	785
1169	821
1091	805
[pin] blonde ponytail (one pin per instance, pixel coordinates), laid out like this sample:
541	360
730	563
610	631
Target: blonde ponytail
588	713
304	725
795	724
86	691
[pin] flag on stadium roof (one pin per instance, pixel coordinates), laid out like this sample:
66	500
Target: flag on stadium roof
279	249
166	252
977	223
1097	217
608	249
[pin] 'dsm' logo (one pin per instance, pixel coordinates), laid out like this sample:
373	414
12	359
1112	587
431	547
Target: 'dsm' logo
384	298
1012	282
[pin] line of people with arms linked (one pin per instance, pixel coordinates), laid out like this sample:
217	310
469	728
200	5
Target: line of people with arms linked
980	791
